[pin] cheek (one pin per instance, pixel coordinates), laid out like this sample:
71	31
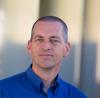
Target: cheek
32	50
35	52
59	53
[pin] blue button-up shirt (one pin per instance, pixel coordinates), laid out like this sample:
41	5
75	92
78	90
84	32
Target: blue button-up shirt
29	85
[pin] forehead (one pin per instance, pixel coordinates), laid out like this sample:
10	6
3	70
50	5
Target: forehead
48	28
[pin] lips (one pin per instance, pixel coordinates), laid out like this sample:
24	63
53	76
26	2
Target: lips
46	55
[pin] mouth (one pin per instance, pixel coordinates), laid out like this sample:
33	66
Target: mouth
46	55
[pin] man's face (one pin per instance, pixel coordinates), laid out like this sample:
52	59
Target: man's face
48	47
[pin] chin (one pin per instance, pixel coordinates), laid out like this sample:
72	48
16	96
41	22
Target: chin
47	66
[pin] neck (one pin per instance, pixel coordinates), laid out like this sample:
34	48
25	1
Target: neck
47	75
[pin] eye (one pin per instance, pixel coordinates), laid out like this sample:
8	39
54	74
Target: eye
55	41
39	40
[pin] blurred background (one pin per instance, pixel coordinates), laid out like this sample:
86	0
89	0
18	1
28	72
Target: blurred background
82	67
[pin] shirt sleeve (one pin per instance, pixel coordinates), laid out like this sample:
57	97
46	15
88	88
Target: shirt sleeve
1	94
1	91
76	93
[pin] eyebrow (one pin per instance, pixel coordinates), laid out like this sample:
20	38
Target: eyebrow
56	37
51	37
38	36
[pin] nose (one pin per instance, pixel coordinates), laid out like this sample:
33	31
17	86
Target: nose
46	46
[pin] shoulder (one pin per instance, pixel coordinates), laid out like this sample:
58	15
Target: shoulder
72	90
10	81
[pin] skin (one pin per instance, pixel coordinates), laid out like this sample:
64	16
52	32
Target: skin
47	49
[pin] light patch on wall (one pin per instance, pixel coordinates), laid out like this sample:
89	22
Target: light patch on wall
20	15
1	37
1	28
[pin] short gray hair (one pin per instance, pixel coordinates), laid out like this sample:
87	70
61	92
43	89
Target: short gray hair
53	19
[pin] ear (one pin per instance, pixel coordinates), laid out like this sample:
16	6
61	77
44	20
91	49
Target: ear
67	49
29	46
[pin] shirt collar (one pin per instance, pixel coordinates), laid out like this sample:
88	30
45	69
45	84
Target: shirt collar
36	81
33	78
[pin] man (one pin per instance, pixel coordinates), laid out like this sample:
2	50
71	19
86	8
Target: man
47	46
